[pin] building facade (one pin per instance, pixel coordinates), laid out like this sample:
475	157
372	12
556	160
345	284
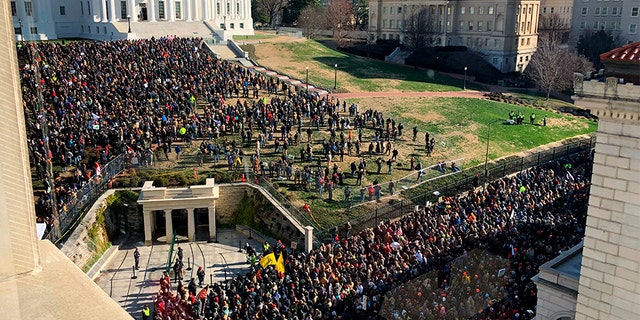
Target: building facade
620	18
555	18
113	19
504	32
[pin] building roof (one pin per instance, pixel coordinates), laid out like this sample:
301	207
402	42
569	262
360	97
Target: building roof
626	53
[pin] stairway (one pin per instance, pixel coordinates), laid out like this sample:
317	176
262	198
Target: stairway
183	29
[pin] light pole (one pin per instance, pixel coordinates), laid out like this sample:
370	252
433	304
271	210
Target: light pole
464	83
21	32
307	78
335	76
129	22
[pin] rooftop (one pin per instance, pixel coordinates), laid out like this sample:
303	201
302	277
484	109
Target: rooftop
626	53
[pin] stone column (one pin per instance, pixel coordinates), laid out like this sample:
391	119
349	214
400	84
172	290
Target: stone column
212	222
308	239
151	11
191	225
205	10
187	10
148	227
103	10
171	10
195	13
133	13
169	225
112	11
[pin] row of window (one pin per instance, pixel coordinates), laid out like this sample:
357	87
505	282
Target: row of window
553	10
604	11
613	25
479	25
391	10
32	30
28	7
472	10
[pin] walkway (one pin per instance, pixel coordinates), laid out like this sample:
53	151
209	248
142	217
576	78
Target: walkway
115	278
446	94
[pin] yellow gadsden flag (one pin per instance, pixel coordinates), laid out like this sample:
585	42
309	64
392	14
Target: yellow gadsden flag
280	265
268	260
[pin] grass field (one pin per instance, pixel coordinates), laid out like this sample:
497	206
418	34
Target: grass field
354	73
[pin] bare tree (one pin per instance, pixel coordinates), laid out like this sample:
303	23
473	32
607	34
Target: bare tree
340	18
554	28
418	27
312	19
273	9
552	67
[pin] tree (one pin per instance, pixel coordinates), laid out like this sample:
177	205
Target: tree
554	28
361	14
552	67
272	8
339	17
294	8
594	43
312	19
418	27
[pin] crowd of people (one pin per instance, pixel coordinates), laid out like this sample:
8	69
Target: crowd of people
151	98
526	219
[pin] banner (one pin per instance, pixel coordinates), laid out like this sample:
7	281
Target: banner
280	265
268	260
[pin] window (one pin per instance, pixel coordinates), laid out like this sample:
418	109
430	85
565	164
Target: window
472	10
583	24
634	12
179	10
222	26
528	41
384	36
123	10
82	29
530	9
89	28
494	61
522	27
613	25
81	8
551	10
614	11
462	25
604	11
633	28
14	9
544	10
88	8
161	9
384	23
391	24
597	14
97	30
17	30
63	10
480	10
470	25
528	26
384	10
28	7
232	25
392	10
490	10
480	26
238	8
489	25
526	58
241	25
584	11
34	30
522	42
228	7
399	10
603	25
463	10
595	25
399	24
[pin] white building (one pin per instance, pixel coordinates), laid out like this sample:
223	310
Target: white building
130	19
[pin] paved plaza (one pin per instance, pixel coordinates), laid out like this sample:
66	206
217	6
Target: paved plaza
221	260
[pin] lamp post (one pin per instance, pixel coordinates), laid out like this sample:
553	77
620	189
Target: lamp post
464	83
335	76
129	22
307	78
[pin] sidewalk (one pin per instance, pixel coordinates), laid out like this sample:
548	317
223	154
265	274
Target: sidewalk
115	278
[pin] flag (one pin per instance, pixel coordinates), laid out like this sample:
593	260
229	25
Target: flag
268	260
203	294
280	265
195	174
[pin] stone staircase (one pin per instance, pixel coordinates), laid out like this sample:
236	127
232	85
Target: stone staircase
184	29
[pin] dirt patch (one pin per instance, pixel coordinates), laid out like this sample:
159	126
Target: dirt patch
426	117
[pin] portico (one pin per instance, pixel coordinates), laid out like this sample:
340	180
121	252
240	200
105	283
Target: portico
163	207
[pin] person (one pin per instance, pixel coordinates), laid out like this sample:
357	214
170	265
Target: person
146	312
180	254
200	275
347	194
391	187
136	257
544	121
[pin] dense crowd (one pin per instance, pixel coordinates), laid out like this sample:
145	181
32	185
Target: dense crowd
142	97
528	218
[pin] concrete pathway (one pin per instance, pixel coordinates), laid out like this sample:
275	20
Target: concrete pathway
219	259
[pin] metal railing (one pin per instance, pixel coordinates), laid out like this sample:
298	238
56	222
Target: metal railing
459	183
84	198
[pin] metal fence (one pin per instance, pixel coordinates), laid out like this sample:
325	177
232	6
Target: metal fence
66	220
459	183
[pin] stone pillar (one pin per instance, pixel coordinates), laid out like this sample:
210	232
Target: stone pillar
148	227
195	13
205	10
212	222
112	11
308	239
187	10
171	10
191	225
169	225
133	13
151	11
103	10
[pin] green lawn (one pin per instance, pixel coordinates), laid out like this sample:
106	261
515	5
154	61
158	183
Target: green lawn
354	73
259	36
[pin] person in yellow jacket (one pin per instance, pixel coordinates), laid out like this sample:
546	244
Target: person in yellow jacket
146	312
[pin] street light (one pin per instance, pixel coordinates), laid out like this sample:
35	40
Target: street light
464	83
129	22
307	78
21	32
335	76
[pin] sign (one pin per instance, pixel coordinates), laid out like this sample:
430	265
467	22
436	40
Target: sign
96	127
294	245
